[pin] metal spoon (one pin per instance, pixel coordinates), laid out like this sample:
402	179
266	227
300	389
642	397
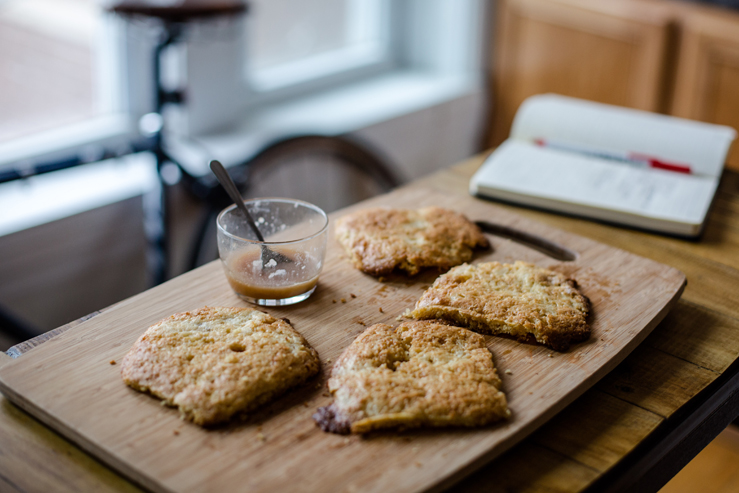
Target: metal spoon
227	183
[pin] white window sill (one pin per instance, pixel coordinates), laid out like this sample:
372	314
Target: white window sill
41	199
45	198
84	138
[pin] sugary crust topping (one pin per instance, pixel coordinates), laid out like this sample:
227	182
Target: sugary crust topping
420	374
214	362
520	299
381	240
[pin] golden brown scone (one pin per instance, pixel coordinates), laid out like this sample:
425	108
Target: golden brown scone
380	240
214	362
420	374
521	300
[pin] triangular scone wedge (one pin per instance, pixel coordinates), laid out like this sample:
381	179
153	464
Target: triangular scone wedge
215	362
383	239
529	303
420	374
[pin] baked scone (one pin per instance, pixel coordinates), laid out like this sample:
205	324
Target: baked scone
380	240
529	303
215	362
420	374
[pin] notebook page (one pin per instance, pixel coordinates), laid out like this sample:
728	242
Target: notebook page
703	146
531	170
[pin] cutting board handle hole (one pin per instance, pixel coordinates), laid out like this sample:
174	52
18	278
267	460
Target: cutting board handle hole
554	250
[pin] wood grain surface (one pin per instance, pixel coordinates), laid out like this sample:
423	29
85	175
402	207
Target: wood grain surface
703	326
70	385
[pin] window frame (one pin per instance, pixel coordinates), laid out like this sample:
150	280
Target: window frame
328	68
438	38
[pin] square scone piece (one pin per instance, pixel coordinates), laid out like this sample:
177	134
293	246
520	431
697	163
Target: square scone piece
215	362
381	240
422	374
521	300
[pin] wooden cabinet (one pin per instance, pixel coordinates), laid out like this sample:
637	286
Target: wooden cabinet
658	55
707	76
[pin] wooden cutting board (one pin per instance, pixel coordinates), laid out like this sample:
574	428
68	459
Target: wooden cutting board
70	384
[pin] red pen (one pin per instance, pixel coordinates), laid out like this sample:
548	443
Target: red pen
632	158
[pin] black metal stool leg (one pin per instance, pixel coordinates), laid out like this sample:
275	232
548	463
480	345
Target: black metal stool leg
156	217
155	229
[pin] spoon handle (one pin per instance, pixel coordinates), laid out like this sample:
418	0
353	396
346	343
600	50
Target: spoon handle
225	179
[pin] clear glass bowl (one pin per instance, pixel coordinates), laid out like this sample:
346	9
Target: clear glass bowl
294	229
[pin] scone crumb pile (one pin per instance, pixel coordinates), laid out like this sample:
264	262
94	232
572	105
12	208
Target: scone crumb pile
215	362
380	240
419	374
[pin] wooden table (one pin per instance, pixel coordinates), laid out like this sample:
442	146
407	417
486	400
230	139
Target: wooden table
633	430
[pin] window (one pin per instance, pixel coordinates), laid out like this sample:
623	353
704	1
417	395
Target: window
316	38
280	49
47	53
287	66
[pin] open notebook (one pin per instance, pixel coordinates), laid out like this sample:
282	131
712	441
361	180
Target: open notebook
610	163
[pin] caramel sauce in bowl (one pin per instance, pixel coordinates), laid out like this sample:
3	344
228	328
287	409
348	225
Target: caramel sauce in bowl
254	282
294	229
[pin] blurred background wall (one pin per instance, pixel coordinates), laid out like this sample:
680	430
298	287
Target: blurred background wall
406	79
421	83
